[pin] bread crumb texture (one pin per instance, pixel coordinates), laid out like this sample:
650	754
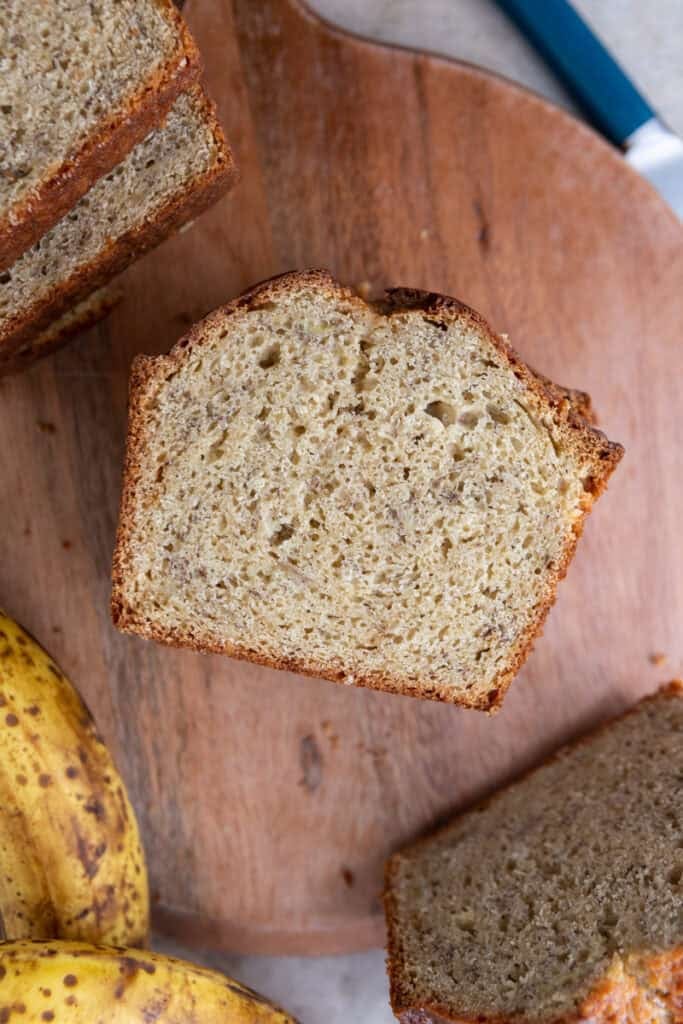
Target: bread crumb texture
64	66
561	898
378	494
161	167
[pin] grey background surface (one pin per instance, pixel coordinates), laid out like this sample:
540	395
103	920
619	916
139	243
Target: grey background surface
647	38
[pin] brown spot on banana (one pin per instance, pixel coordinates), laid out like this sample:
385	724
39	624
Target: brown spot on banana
88	855
105	906
73	829
131	965
96	807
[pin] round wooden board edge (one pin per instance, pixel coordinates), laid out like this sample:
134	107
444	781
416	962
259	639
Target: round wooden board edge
349	936
593	137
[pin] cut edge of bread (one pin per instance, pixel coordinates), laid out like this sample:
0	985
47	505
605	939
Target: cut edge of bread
142	111
606	1001
148	372
85	314
196	196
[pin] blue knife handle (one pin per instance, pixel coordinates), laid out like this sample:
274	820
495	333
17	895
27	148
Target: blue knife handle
578	57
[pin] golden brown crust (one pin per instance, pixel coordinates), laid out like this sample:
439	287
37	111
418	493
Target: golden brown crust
114	138
621	997
568	404
89	312
198	194
638	990
148	373
580	400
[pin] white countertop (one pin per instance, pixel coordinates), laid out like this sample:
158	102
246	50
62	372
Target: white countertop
647	39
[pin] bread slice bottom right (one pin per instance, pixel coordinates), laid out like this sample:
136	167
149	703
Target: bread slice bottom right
560	898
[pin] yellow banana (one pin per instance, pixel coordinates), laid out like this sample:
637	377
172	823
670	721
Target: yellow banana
74	983
26	909
71	863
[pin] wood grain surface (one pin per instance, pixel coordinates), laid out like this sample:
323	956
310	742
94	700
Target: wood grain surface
268	802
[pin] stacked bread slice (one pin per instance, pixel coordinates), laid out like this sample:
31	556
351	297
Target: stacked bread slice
108	142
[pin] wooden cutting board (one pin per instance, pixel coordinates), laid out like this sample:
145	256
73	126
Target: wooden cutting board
268	801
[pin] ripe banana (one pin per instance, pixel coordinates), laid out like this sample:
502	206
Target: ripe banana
71	863
73	983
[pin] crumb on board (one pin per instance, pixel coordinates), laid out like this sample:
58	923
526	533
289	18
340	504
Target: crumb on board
329	732
47	427
657	659
348	876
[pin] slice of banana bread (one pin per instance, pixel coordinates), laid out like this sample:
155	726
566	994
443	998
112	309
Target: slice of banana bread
559	899
381	495
82	83
170	177
83	315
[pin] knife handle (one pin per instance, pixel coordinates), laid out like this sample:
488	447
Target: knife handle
589	71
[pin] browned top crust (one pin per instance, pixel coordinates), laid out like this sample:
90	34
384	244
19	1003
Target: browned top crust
577	404
149	373
26	221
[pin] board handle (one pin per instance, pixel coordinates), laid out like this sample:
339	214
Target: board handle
586	67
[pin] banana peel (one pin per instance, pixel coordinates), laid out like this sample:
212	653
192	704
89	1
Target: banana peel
71	860
75	983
